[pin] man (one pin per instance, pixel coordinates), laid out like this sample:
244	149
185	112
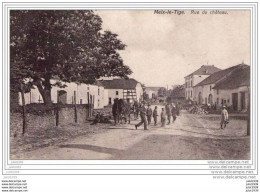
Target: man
168	113
163	117
142	111
149	113
135	107
174	113
127	111
224	117
155	114
177	109
115	111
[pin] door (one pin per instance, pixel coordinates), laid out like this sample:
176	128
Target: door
210	99
234	101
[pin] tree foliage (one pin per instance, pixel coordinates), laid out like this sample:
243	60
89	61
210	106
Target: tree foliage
162	92
67	45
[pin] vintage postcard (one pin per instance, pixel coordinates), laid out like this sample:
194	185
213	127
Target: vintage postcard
130	84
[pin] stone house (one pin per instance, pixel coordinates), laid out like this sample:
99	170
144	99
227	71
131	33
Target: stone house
196	77
228	87
95	93
127	89
152	91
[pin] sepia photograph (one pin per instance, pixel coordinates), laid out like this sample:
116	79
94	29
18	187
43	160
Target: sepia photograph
110	84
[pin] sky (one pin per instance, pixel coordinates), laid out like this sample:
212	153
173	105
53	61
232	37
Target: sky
163	48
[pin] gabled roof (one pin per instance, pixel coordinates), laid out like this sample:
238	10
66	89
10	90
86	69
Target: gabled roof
205	70
215	77
238	78
119	83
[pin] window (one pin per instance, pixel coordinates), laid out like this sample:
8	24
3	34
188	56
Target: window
98	102
210	87
110	100
98	91
116	92
191	93
228	100
80	101
217	100
191	83
217	91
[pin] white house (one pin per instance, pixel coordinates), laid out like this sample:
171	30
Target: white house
228	87
127	89
152	91
95	92
196	77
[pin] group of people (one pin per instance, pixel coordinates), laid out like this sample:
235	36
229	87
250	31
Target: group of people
146	114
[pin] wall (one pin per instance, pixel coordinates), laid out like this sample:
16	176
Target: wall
47	120
220	96
198	78
81	94
139	92
190	82
111	93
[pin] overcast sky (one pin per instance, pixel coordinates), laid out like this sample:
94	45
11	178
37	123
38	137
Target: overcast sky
163	48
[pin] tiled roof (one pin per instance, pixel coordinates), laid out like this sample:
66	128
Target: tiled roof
119	83
239	77
205	70
212	79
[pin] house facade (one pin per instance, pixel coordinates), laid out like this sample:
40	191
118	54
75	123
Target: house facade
84	93
152	91
127	89
230	87
196	77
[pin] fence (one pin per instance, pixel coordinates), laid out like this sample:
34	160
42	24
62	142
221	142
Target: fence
41	116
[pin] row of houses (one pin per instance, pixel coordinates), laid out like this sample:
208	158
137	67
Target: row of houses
100	94
213	86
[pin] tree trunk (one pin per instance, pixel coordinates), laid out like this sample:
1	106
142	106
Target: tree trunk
23	105
45	91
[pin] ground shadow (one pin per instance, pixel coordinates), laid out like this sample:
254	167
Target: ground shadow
92	148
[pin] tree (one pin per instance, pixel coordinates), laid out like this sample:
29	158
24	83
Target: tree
67	45
162	92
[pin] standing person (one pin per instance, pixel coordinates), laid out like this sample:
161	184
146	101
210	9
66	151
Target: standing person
142	110
115	111
173	113
149	113
163	117
127	111
177	109
224	117
155	114
136	106
168	113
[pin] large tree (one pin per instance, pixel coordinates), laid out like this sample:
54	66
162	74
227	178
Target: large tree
67	45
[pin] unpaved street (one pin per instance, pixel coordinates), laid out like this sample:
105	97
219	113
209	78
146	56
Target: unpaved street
189	137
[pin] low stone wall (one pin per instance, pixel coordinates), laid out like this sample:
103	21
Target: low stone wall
46	120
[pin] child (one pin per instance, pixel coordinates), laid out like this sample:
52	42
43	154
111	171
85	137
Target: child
163	117
224	117
155	114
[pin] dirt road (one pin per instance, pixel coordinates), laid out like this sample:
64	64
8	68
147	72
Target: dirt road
189	137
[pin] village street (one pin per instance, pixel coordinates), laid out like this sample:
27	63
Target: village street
190	137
